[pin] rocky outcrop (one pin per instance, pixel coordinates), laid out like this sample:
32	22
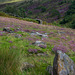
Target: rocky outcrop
39	21
7	29
38	43
63	65
39	34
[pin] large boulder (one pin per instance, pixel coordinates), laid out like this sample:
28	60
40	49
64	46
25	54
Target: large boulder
63	65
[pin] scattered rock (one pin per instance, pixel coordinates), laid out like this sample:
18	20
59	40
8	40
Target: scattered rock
42	54
61	32
17	29
26	66
62	64
7	29
18	35
42	46
39	34
38	43
36	33
44	35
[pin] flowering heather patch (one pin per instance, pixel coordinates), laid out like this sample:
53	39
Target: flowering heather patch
60	47
27	45
63	38
42	46
51	32
10	42
72	45
27	30
1	34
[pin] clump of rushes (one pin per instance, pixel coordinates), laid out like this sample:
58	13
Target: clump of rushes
10	61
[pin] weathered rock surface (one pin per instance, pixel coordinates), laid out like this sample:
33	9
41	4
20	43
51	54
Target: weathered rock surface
63	65
39	34
38	43
18	35
26	66
7	29
42	54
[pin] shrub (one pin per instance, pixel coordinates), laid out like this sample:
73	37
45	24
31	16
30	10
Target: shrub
10	9
17	12
66	20
30	12
54	12
73	24
43	9
69	15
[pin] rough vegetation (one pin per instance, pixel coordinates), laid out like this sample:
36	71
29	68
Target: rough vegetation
28	48
19	46
47	10
69	18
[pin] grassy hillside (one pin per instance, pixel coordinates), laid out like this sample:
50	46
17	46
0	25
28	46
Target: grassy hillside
17	48
20	32
9	1
47	10
69	18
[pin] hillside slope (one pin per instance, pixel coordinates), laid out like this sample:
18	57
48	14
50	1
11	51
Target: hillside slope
8	1
17	46
47	10
69	18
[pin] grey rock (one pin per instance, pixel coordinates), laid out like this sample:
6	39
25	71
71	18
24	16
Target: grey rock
44	35
62	64
7	29
36	33
18	36
17	29
38	43
39	34
26	66
61	32
42	54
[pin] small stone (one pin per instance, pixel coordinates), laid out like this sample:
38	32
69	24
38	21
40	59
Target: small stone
38	43
18	35
26	66
44	35
42	54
